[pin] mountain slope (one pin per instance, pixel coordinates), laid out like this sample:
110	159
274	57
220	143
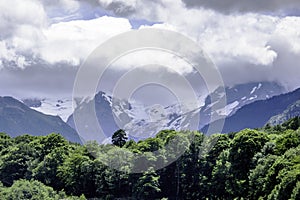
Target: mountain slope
258	113
292	111
16	119
104	114
237	97
49	106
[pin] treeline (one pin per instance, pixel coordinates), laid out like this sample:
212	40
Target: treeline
250	164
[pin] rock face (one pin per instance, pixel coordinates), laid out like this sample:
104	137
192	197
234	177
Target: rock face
16	119
292	111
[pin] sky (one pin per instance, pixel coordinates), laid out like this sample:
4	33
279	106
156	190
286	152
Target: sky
44	42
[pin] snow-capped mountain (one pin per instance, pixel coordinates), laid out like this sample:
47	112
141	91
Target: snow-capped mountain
138	120
259	113
61	107
236	97
142	121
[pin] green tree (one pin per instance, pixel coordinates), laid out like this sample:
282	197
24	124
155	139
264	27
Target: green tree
289	139
147	186
221	178
258	177
45	144
244	146
78	174
296	192
119	138
150	145
14	164
293	123
191	162
5	141
24	189
213	146
283	175
46	170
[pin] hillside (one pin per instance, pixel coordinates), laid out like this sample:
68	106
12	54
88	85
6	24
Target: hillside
18	119
258	113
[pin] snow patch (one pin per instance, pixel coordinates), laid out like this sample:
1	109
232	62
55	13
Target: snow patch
253	90
252	98
228	109
259	86
62	108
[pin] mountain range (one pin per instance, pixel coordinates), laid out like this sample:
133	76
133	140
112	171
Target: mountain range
248	105
142	121
258	113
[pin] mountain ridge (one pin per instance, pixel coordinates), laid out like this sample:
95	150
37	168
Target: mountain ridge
257	113
17	119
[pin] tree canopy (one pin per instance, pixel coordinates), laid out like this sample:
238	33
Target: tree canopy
250	164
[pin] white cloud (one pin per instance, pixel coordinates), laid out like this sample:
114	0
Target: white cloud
288	30
238	37
73	41
149	60
62	42
15	13
26	32
245	46
21	22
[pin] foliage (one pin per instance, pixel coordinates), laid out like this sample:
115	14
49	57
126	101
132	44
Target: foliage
24	189
250	164
119	138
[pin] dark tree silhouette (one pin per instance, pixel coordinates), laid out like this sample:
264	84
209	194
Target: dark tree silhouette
119	138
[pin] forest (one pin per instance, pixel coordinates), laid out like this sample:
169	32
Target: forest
261	163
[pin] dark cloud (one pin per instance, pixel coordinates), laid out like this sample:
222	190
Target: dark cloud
118	7
229	6
38	80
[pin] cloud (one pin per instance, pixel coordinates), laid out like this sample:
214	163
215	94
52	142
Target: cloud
21	25
69	42
245	46
28	33
225	38
233	6
118	7
16	13
73	41
38	80
150	10
66	5
144	58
